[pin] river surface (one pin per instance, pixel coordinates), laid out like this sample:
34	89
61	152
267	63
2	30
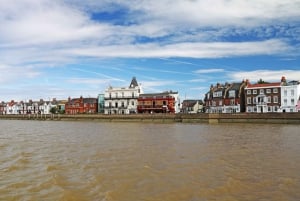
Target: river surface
93	161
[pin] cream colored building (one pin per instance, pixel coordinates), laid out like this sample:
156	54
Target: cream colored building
122	100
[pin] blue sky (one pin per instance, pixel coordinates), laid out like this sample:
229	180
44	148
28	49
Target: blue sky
61	48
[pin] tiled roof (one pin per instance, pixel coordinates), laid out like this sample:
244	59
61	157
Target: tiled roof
275	84
168	93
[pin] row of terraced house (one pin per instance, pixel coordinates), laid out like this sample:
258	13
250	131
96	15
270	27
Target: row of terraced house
237	97
282	96
115	100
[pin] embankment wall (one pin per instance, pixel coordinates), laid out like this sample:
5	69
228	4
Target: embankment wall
279	118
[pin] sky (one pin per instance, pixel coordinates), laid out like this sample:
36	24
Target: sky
71	48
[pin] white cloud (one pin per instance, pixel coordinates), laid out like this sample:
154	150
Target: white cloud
266	75
10	74
192	50
211	70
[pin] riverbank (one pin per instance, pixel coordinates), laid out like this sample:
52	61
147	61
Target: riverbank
278	118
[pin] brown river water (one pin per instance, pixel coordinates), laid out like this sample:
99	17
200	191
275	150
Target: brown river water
93	161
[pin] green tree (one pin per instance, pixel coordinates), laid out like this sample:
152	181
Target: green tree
261	81
53	110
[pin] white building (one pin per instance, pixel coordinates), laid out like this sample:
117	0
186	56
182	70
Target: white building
122	100
31	107
290	94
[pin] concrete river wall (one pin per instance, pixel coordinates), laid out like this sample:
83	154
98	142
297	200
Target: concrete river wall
281	118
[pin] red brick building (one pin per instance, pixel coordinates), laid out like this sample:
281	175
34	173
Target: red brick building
261	98
165	102
81	106
226	98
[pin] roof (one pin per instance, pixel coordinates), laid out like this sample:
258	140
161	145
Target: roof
191	103
166	93
133	83
90	100
264	85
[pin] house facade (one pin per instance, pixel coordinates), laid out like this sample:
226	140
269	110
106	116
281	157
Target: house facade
122	100
192	106
166	102
101	103
81	106
226	98
263	98
2	108
290	95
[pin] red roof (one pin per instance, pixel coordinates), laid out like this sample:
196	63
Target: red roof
264	85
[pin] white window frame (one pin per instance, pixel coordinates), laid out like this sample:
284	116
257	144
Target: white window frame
261	91
249	100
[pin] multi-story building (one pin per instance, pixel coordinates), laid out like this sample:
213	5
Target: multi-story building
263	97
122	100
2	107
166	102
227	98
290	94
192	106
81	106
101	103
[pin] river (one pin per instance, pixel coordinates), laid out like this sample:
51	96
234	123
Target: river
93	161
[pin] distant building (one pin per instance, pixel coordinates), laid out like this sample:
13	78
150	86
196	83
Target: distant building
122	100
192	106
290	94
2	108
262	98
81	106
166	102
101	103
225	98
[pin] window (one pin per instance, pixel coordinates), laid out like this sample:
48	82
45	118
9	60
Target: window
248	91
132	103
292	101
275	90
285	102
214	103
285	92
122	94
268	91
116	94
275	99
217	94
292	92
261	91
122	104
220	102
254	100
254	91
232	93
269	109
109	95
132	94
249	100
232	101
269	99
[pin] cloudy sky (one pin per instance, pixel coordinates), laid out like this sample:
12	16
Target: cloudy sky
62	48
